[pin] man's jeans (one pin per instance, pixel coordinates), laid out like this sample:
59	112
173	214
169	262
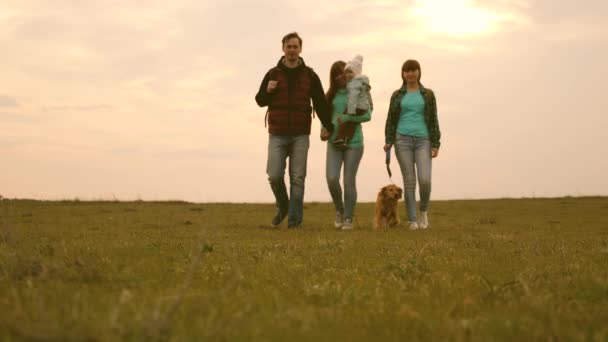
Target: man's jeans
412	151
351	157
279	149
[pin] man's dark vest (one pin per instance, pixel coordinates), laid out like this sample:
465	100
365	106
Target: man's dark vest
290	113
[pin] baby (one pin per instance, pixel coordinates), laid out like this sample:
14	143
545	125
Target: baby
359	100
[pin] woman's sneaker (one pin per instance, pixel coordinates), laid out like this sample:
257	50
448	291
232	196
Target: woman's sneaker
413	226
348	224
423	222
339	219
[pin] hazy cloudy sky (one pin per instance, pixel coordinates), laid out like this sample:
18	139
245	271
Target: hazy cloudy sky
155	99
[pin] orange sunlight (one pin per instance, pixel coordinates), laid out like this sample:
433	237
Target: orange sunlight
456	18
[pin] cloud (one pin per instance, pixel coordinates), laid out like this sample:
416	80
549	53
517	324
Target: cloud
77	108
559	21
8	101
463	18
19	118
453	26
572	30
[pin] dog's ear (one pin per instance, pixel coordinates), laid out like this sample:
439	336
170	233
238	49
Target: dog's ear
399	192
383	190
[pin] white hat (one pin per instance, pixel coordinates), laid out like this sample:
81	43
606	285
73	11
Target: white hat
356	65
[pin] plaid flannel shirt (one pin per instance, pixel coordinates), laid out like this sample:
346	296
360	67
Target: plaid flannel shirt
430	116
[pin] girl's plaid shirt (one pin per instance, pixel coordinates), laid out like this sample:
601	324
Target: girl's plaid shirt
430	116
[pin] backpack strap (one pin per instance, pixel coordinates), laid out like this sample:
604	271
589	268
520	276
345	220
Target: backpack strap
272	77
310	76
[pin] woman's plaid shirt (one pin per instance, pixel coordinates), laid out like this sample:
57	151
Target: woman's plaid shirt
430	116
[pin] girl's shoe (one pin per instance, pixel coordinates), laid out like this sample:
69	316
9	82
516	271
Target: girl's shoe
339	221
423	222
348	224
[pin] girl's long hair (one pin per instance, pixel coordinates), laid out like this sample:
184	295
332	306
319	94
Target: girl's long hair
336	69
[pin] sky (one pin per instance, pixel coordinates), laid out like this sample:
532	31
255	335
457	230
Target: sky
154	100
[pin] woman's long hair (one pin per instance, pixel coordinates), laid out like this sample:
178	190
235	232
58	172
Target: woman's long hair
336	69
410	64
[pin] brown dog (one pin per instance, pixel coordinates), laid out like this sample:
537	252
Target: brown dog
386	207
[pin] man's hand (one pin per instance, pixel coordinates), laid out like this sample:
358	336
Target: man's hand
434	152
387	147
272	85
325	134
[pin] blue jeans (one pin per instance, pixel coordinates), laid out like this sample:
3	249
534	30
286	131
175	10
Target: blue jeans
414	156
351	157
279	149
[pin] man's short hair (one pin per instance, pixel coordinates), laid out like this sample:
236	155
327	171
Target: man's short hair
290	36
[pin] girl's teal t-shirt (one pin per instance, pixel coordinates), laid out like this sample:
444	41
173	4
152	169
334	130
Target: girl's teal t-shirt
411	119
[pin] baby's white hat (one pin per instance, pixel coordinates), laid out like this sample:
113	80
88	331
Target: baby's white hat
356	65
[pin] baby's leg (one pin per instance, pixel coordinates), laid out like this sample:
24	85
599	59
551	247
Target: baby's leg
348	128
341	131
342	136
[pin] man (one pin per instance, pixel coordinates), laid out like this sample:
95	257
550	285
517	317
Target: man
287	90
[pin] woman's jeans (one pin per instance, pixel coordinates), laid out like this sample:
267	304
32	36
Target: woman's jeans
351	157
414	156
279	149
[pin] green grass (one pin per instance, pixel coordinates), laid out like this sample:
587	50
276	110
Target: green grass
526	269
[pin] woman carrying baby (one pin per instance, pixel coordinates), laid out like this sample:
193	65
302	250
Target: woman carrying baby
349	151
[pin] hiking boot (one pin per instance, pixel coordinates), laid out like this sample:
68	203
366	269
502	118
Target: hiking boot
423	222
348	224
413	226
278	218
339	221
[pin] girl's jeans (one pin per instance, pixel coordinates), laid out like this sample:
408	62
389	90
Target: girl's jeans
414	156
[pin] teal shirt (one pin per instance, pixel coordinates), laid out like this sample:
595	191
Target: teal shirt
411	119
339	105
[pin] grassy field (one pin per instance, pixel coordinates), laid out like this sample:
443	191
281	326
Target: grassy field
525	269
